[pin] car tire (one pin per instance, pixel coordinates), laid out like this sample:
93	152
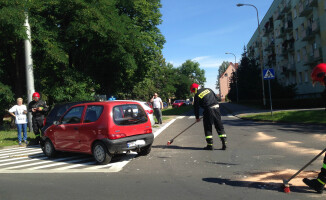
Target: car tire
48	149
144	151
101	154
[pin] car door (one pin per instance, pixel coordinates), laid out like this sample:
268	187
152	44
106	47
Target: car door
66	134
94	127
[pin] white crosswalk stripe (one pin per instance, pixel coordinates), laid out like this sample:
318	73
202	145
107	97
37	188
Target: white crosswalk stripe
32	160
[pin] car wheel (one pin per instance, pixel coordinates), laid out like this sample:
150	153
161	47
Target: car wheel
101	154
48	149
145	150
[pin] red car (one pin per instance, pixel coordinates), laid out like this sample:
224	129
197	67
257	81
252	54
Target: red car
178	103
101	129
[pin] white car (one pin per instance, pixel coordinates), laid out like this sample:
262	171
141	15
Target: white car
148	110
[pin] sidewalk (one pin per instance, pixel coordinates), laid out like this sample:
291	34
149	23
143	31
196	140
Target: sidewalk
238	110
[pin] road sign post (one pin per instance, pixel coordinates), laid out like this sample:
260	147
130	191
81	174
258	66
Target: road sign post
268	75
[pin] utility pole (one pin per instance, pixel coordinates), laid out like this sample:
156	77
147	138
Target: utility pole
29	67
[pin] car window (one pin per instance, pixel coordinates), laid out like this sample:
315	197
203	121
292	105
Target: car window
93	113
73	116
129	114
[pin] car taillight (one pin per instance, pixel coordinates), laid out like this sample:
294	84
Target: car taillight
149	111
117	136
148	130
44	121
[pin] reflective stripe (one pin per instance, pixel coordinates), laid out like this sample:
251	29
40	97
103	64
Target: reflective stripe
324	166
208	137
222	135
320	181
215	106
210	144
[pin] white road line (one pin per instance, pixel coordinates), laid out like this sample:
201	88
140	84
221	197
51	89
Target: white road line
19	158
41	162
21	155
180	117
22	161
231	116
76	165
21	149
61	163
163	128
192	117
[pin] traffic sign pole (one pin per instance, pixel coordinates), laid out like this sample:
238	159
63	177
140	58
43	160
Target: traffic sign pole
270	95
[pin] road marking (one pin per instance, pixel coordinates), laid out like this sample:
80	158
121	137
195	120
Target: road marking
180	117
32	160
192	117
61	163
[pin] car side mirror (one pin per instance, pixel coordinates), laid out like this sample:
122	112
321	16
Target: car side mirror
56	123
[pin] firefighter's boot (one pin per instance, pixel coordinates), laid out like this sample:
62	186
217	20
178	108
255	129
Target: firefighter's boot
223	143
315	184
209	147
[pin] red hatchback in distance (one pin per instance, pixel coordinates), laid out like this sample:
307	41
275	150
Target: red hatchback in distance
178	103
101	129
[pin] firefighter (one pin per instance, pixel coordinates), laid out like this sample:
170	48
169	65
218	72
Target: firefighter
207	99
319	75
38	109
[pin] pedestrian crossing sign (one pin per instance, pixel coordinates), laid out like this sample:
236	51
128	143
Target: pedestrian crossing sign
268	74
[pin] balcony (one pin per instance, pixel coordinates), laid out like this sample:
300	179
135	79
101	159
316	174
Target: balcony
305	8
286	6
313	58
280	33
315	26
288	26
307	35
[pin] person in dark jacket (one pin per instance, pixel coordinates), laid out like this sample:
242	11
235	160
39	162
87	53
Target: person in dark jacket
38	108
319	75
207	99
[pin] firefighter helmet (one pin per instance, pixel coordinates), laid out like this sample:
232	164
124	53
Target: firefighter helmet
318	74
193	87
36	94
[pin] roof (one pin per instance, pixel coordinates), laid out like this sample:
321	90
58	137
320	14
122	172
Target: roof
235	67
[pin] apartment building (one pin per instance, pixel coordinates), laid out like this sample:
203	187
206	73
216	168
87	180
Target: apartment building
293	41
224	80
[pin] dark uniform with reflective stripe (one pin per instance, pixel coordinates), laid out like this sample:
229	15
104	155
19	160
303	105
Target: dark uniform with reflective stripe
207	99
318	184
38	116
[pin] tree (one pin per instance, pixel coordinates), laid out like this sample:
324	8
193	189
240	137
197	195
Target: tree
222	68
6	99
191	70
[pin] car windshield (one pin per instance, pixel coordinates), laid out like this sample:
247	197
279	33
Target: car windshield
178	101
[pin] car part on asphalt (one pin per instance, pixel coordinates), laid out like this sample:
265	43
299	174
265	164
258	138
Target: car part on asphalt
286	185
171	141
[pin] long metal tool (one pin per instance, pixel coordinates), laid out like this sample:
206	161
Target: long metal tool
171	141
286	184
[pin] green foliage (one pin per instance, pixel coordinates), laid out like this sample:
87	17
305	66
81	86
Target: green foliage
191	70
6	99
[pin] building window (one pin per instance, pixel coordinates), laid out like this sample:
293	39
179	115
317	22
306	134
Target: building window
294	13
306	76
296	34
300	77
226	74
298	56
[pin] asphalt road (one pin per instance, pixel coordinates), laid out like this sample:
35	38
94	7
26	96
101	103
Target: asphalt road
258	157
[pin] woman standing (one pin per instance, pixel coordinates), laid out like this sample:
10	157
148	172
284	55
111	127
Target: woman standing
19	111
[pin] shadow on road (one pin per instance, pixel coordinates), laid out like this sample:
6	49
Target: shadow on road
178	147
257	185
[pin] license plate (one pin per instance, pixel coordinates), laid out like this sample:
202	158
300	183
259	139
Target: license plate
136	143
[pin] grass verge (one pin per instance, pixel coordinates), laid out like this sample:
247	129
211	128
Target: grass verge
9	137
176	111
314	116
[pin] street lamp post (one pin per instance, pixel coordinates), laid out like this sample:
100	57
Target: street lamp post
236	75
260	50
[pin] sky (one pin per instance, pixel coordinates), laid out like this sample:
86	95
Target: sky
204	30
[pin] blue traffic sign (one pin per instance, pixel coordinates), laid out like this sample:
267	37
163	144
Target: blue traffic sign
268	74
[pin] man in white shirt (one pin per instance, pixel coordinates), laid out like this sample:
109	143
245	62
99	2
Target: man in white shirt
19	112
157	107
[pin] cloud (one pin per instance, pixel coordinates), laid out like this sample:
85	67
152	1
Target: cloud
209	61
